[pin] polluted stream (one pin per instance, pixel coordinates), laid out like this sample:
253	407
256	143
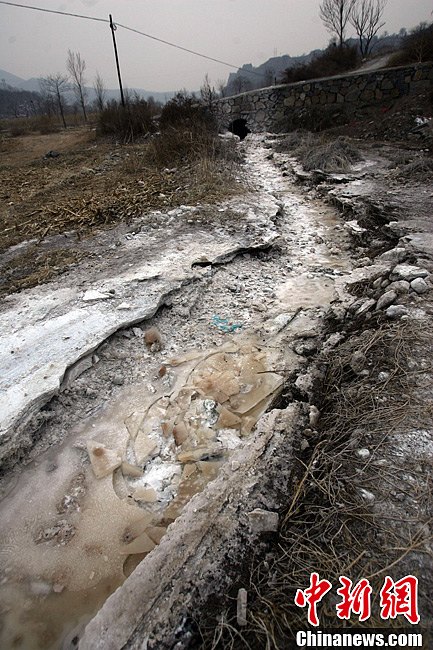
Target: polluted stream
82	515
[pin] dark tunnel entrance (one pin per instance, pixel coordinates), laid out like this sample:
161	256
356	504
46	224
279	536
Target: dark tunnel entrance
239	127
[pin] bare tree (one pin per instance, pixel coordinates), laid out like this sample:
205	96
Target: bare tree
366	19
76	67
335	15
101	95
54	86
208	93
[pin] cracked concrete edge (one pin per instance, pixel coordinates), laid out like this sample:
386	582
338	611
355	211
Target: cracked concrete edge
154	598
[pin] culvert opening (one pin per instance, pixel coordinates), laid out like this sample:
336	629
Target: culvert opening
239	127
107	495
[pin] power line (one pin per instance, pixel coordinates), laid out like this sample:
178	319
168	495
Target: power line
131	29
185	49
53	11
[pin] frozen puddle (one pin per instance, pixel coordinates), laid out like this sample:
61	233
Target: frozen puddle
92	511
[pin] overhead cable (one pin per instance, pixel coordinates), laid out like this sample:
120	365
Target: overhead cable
130	29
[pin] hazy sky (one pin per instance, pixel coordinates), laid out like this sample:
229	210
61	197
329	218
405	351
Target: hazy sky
34	44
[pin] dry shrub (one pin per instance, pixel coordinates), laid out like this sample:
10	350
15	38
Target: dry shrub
315	118
25	125
416	47
418	170
315	152
333	61
129	122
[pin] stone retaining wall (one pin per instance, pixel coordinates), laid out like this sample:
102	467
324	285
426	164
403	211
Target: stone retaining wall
266	108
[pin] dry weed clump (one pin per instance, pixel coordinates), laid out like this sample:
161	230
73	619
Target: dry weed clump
417	170
328	527
319	152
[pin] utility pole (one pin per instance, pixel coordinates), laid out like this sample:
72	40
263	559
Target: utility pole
113	29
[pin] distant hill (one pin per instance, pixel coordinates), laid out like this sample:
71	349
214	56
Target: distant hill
267	74
249	77
32	85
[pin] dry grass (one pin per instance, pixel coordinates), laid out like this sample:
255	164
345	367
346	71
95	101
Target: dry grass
319	152
94	185
327	527
418	170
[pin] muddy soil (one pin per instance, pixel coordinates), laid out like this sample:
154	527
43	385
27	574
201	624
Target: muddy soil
258	278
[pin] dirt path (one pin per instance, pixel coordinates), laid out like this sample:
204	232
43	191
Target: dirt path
239	293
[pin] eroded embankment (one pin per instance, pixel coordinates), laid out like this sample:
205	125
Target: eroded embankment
137	429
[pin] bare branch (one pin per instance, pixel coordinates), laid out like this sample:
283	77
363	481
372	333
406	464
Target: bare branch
335	16
99	88
76	67
366	17
54	86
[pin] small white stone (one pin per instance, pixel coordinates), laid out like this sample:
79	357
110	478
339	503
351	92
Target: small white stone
363	453
366	495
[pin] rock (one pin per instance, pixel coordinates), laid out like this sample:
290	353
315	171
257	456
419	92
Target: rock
383	376
124	305
358	362
138	332
241	607
305	348
94	294
386	299
354	227
408	272
364	261
394	255
235	465
304	383
52	154
118	380
363	453
396	311
304	444
366	495
104	461
263	521
399	286
153	339
419	285
365	307
314	415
